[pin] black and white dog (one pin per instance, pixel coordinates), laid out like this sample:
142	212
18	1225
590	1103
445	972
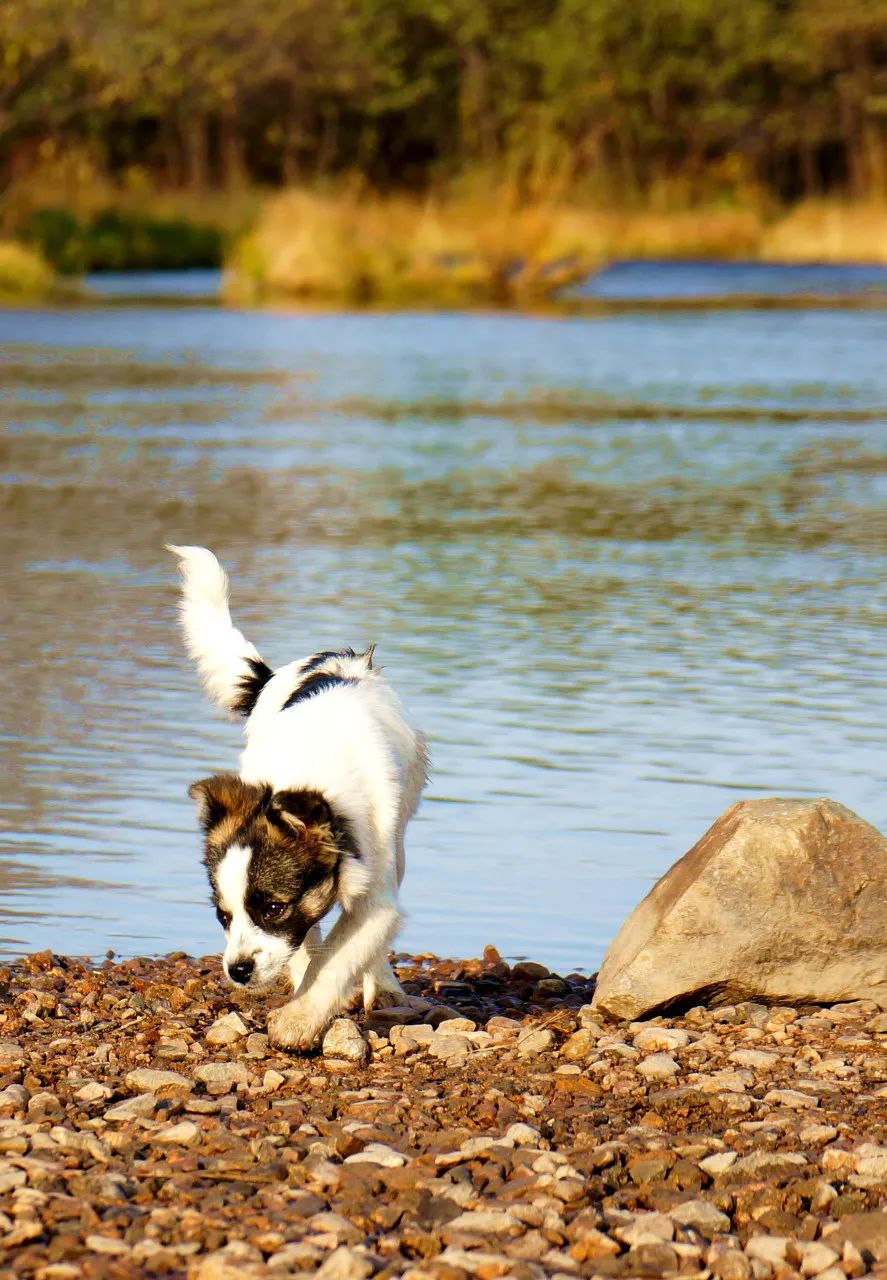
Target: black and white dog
330	776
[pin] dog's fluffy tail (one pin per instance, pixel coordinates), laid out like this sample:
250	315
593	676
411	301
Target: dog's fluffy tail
230	667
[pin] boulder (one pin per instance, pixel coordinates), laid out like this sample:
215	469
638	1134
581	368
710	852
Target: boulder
780	901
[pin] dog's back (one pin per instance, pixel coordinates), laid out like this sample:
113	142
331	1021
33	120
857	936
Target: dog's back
328	722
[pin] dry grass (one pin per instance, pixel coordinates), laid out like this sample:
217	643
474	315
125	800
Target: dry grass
826	231
24	276
370	250
397	250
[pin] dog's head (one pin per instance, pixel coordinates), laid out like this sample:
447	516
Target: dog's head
273	859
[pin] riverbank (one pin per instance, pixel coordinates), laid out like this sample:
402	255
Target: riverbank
147	1129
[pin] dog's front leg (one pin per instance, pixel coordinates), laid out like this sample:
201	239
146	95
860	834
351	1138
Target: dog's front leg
354	943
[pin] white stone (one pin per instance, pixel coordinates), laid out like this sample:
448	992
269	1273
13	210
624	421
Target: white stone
345	1264
227	1029
378	1153
720	1162
524	1135
343	1040
652	1039
707	1218
184	1134
163	1084
483	1221
659	1066
769	1249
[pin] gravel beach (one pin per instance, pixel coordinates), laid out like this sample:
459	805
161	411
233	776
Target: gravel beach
500	1128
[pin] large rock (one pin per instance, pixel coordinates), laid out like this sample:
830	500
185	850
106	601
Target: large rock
781	900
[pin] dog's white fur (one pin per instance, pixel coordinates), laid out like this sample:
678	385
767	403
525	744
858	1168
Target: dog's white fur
353	744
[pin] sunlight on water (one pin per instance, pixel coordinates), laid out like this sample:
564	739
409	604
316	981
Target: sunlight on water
623	571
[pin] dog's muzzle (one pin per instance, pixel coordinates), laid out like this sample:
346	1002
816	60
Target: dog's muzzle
241	971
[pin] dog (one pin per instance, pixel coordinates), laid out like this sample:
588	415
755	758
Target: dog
329	778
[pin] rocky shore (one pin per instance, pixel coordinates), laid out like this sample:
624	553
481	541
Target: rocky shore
501	1128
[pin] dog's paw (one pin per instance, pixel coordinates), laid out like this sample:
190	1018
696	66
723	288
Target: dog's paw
296	1025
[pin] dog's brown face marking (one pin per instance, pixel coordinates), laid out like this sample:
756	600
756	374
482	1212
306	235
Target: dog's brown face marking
293	843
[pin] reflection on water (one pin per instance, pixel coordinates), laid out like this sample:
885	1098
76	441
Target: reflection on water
623	570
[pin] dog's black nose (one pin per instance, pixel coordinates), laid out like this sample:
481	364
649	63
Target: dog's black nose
241	971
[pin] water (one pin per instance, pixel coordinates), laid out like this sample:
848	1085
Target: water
623	570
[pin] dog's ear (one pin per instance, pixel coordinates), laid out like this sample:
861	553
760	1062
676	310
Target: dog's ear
221	796
301	811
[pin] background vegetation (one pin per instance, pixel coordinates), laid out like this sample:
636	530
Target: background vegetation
107	106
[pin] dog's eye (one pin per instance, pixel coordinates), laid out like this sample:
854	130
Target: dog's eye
273	910
223	917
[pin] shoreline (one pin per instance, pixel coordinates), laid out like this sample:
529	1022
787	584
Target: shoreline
564	309
147	1129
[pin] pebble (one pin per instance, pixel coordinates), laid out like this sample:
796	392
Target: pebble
184	1134
344	1040
345	1264
377	1153
654	1039
220	1077
163	1084
659	1066
226	1030
539	1041
141	1106
706	1217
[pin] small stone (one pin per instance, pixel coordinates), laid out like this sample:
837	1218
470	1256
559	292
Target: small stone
450	1026
345	1264
272	1080
702	1215
106	1244
814	1135
184	1134
343	1040
646	1228
524	1135
769	1249
538	1041
221	1077
93	1091
791	1098
142	1106
226	1030
529	969
447	1047
378	1153
720	1162
551	987
163	1084
653	1039
11	1055
579	1046
816	1257
44	1106
727	1262
659	1066
483	1222
13	1098
755	1059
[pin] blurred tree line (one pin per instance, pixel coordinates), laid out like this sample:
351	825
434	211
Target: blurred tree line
617	98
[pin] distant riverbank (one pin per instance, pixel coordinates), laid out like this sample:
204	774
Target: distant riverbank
341	248
398	251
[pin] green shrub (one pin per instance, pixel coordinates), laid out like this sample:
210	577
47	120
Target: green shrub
115	240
